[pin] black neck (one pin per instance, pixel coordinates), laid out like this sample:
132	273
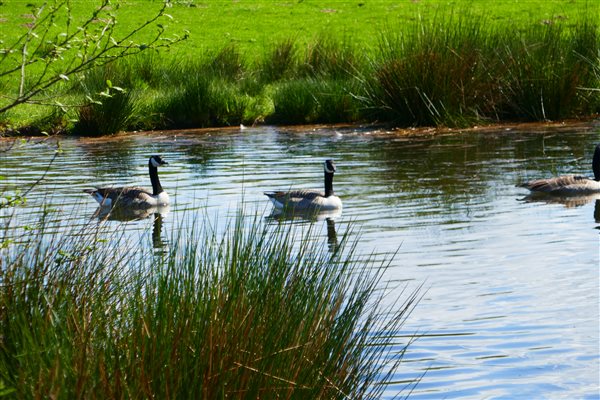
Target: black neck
596	164
328	184
156	187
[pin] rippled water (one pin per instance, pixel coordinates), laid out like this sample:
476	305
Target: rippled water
510	304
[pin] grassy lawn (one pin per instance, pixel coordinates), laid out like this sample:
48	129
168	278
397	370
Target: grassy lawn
453	63
255	25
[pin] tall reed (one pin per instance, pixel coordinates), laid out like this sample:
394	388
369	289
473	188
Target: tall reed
252	312
461	70
543	71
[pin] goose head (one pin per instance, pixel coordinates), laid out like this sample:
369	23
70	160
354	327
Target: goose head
157	161
329	166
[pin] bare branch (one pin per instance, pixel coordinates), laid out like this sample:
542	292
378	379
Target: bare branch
73	52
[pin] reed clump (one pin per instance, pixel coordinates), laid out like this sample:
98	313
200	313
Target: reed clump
462	70
252	312
548	72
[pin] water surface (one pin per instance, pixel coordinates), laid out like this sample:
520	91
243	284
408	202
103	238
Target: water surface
510	304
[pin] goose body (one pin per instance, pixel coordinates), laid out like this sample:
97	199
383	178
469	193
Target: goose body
309	199
569	184
135	197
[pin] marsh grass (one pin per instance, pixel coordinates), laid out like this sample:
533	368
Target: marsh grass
461	70
279	62
253	311
113	113
543	73
203	101
427	74
329	57
315	100
111	104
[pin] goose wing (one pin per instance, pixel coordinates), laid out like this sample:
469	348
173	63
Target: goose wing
295	198
563	184
308	194
123	195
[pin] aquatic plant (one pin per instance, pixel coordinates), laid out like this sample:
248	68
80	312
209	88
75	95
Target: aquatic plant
253	311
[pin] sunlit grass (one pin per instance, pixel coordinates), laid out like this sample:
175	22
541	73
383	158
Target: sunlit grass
458	71
455	68
254	311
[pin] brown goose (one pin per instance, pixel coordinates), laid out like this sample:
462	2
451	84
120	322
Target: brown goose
309	199
134	196
569	184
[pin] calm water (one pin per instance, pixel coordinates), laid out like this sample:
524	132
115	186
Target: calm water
511	287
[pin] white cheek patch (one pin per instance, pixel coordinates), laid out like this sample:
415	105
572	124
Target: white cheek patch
330	171
154	163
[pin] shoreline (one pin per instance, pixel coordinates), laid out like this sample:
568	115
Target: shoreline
590	123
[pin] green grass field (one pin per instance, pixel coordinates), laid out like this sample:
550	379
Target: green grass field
315	61
255	25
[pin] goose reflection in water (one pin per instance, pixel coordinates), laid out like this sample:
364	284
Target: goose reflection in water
308	216
567	201
125	214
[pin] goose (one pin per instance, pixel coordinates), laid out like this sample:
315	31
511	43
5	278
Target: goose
135	197
569	184
309	199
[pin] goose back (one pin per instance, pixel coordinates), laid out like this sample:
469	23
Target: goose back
573	184
569	184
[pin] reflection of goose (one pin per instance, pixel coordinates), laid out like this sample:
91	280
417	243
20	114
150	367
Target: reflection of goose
119	213
566	200
157	241
569	184
309	199
308	217
332	239
123	214
134	196
304	215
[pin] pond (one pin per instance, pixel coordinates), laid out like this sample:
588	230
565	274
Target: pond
510	305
